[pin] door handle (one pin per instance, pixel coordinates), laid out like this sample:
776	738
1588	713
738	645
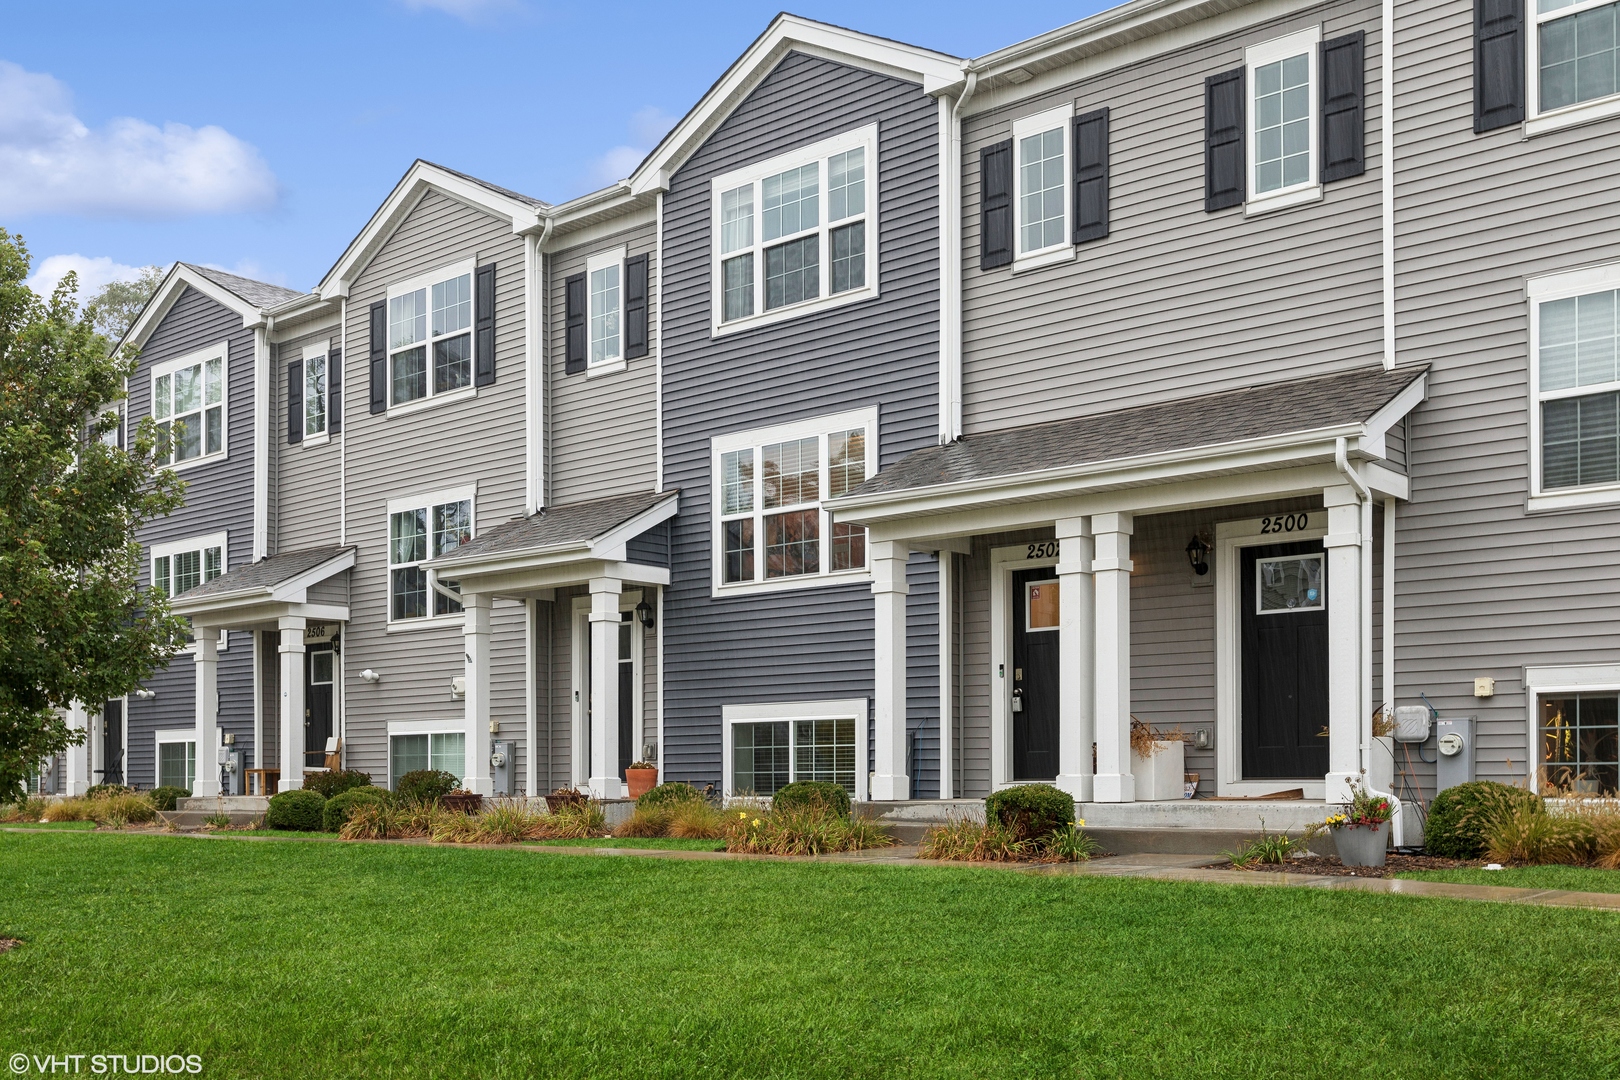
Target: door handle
1018	700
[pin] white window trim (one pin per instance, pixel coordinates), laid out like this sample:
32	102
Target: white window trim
601	261
865	137
1537	292
171	736
1536	120
799	429
427	281
220	540
222	352
1309	42
315	352
427	500
1064	250
764	712
422	727
1551	680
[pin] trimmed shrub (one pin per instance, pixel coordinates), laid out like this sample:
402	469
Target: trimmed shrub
667	795
426	785
332	783
336	810
1030	811
298	810
1459	816
165	798
812	793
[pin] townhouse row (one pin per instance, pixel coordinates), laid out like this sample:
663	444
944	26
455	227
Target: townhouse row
916	422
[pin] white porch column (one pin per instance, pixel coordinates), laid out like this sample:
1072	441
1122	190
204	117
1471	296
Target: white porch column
605	782
889	588
206	654
292	702
1077	614
1112	572
1344	600
475	642
77	769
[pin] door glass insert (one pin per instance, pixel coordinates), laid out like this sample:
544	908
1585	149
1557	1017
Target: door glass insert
1042	607
320	666
1291	583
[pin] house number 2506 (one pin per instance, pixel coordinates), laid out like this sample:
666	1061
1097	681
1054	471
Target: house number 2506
1284	523
1048	550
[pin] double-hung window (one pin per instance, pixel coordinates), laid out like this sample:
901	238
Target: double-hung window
604	283
796	233
1041	207
430	340
771	530
1575	54
181	565
188	403
1281	77
316	359
419	530
1575	380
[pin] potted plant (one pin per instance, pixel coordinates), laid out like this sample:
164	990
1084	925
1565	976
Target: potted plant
1158	761
641	777
462	801
564	797
1358	830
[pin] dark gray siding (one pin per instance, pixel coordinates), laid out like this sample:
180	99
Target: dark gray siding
814	643
651	548
219	495
922	674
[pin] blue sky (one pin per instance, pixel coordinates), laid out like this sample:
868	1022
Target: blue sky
260	137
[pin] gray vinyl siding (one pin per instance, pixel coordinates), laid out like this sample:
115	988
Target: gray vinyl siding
269	642
922	674
602	429
1174	301
816	642
219	496
479	441
1483	587
307	477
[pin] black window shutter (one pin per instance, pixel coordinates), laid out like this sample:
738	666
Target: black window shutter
379	357
1091	176
1223	140
1498	63
484	325
295	402
996	205
574	324
1343	88
334	391
635	307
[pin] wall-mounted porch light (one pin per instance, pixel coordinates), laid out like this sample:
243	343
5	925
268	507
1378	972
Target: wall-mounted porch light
369	675
1198	555
644	612
144	694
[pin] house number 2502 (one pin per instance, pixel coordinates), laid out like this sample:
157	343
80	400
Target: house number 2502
1048	550
1284	523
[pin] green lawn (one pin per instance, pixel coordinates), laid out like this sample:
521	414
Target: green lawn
301	959
69	826
1577	878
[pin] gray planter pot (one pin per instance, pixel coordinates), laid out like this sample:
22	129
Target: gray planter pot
1361	845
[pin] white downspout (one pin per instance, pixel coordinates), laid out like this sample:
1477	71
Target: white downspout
1386	179
950	261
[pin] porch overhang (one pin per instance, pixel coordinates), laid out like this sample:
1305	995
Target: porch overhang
263	592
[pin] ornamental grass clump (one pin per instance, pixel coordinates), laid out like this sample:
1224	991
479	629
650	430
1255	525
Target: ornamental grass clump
1027	823
112	809
665	796
25	810
577	820
809	829
644	823
335	813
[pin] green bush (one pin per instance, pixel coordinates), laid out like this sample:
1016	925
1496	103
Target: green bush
298	810
1460	816
335	813
107	791
164	798
1031	811
667	795
426	785
336	783
812	793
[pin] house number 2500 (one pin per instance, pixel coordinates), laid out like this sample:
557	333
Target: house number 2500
1048	550
1284	523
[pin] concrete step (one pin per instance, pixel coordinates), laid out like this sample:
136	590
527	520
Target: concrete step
192	820
208	804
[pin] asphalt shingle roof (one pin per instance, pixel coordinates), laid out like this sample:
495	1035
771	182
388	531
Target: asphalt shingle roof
266	573
561	525
508	192
260	294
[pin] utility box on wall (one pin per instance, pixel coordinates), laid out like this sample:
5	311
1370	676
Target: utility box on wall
501	755
1454	743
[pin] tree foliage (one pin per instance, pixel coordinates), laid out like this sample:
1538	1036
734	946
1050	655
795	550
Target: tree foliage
75	625
114	308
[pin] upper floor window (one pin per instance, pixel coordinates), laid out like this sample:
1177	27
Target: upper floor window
604	275
1282	119
420	529
430	341
1575	379
188	403
770	527
315	385
1575	51
1041	157
181	565
796	233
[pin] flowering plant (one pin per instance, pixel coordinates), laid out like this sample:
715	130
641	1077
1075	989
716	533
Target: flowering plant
1365	808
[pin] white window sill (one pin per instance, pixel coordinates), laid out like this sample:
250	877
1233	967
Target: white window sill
800	581
1572	116
1282	200
792	311
606	367
1573	500
191	463
317	440
412	626
433	401
1039	259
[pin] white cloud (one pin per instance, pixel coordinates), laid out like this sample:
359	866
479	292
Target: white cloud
647	125
93	273
51	163
469	10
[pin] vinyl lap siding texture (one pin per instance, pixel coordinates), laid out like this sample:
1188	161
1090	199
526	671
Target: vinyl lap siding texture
812	643
1174	301
1483	587
308	476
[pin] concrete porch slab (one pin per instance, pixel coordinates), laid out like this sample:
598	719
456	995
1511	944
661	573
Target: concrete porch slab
230	804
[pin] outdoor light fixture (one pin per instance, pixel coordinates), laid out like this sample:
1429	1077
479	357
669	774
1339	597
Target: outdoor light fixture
369	676
1197	554
144	694
644	612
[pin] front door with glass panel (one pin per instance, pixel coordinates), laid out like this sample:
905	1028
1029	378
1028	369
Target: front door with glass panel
112	743
1283	594
320	663
1035	675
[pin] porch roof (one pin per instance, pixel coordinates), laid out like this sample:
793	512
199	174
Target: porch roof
268	574
1298	407
584	528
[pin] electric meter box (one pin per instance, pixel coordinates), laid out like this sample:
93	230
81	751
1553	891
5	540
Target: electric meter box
1454	751
502	761
1412	723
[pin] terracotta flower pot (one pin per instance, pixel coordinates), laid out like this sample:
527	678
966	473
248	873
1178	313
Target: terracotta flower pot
640	781
463	804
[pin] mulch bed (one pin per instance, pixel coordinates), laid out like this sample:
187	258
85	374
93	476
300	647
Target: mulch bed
1330	866
8	943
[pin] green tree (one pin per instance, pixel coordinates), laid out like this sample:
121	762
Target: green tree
114	308
74	623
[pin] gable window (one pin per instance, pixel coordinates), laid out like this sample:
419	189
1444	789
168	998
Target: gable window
771	530
315	361
430	341
605	280
796	233
1575	53
188	403
1575	381
1281	76
419	530
1041	149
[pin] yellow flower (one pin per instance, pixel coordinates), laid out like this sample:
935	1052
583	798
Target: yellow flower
1080	824
741	814
756	823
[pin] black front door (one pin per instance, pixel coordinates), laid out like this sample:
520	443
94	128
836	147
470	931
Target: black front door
1035	675
112	743
627	682
1284	646
320	665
